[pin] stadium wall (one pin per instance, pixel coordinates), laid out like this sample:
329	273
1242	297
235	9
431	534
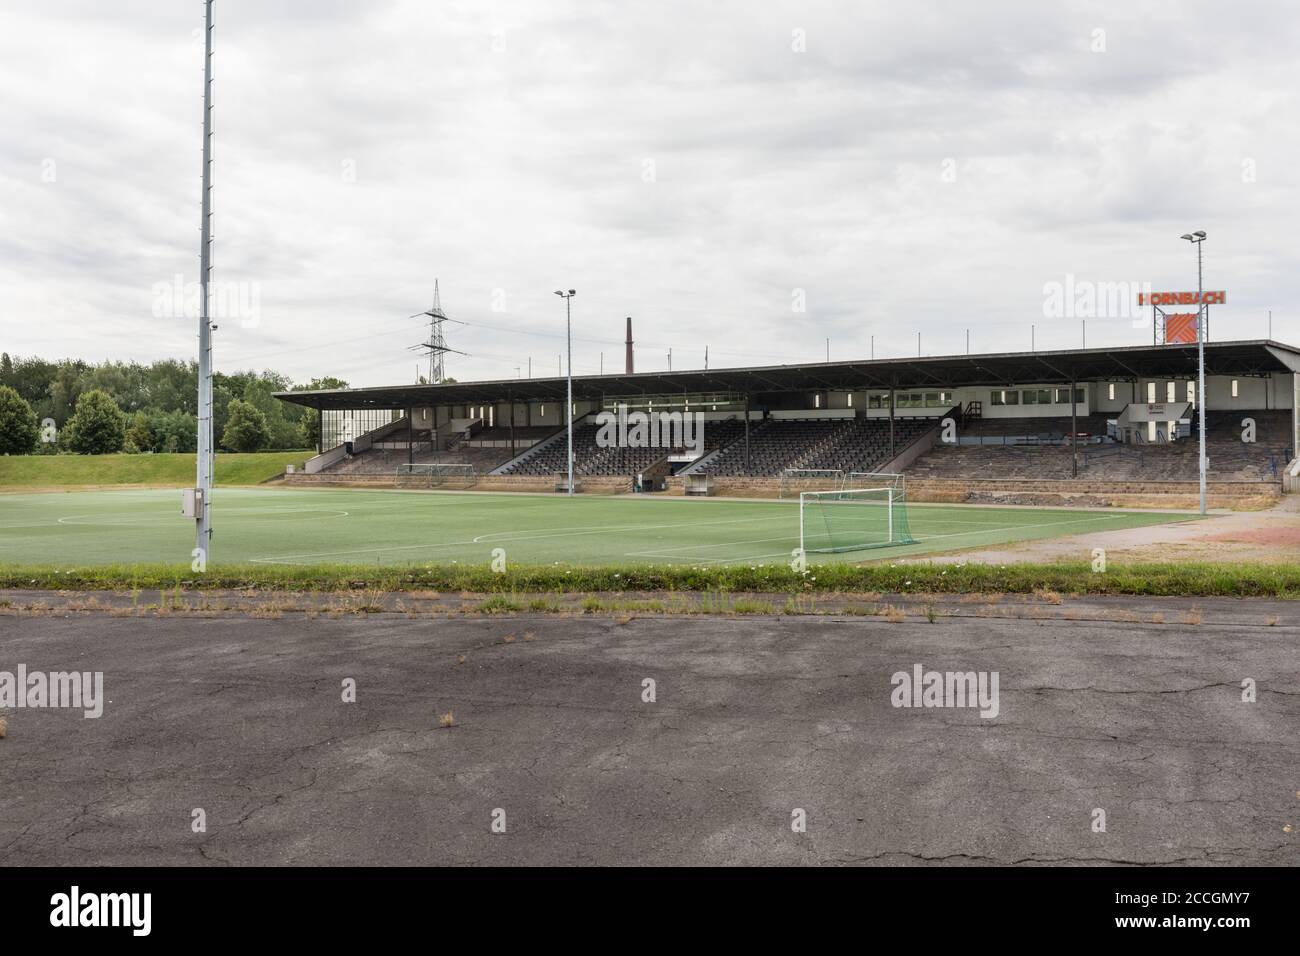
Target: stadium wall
1043	492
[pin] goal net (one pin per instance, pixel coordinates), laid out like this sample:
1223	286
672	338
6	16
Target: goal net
795	480
434	474
852	519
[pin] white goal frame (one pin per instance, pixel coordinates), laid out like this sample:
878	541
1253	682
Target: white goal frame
790	476
436	472
894	479
891	497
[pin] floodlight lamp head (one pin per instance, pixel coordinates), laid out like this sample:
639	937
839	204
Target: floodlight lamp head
575	291
1199	234
1187	236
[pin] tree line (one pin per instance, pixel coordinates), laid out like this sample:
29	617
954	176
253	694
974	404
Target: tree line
72	406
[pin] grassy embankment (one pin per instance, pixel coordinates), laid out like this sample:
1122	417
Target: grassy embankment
1077	578
31	472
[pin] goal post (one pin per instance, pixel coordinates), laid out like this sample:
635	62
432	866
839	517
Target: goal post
852	519
434	474
875	479
795	480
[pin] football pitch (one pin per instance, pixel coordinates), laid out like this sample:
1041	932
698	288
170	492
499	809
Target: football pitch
301	527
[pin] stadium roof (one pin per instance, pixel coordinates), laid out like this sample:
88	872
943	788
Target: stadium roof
1257	357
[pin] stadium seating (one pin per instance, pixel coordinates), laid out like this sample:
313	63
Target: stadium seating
1039	448
378	461
848	444
591	460
1024	447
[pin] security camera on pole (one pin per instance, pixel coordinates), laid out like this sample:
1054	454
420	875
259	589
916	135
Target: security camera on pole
568	334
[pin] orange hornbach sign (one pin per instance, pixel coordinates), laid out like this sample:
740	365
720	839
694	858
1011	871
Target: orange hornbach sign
1182	298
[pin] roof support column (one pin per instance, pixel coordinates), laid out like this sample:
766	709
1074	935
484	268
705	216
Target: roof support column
891	421
1074	432
747	433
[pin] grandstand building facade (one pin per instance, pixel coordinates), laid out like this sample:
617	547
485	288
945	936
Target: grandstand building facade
1087	416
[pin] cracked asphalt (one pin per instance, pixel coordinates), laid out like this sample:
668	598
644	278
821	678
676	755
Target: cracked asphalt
753	718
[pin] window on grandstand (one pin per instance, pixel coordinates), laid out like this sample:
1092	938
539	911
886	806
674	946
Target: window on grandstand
1111	393
1234	388
1171	392
1004	397
1191	391
1151	393
1038	396
1063	396
876	401
911	400
938	399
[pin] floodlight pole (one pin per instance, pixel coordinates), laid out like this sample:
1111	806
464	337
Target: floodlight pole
568	334
203	524
1202	321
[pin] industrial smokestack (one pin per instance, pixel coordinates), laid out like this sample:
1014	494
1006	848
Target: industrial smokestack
629	345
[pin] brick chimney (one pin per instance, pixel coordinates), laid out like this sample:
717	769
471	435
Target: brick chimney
629	345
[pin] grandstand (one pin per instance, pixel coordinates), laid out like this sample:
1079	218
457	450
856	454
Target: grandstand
1079	418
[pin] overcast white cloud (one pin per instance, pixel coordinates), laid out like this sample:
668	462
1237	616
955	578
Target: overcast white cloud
917	167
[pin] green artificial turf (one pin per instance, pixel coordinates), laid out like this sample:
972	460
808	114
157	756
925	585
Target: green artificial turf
288	527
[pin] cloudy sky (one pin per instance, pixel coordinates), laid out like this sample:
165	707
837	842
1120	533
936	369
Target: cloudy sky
751	177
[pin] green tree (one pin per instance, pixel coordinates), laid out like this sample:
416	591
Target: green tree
139	433
245	427
67	382
18	429
282	433
97	427
310	426
175	431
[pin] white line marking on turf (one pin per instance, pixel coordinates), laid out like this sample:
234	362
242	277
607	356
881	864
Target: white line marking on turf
669	554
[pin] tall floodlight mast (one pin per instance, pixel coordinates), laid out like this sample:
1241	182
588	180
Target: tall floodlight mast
200	501
1202	329
568	335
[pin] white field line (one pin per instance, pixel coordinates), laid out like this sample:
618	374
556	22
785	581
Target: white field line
117	521
504	537
668	553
